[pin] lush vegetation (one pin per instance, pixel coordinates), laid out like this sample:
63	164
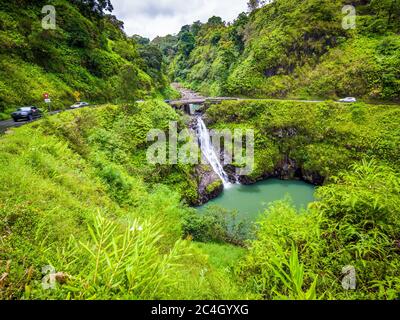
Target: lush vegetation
289	48
320	139
354	222
78	194
87	57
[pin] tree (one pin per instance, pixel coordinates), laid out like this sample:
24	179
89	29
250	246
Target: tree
241	20
184	29
237	31
97	7
255	4
129	82
166	44
195	28
389	9
153	58
186	43
215	21
113	20
140	40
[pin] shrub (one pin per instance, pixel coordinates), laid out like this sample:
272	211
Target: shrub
215	225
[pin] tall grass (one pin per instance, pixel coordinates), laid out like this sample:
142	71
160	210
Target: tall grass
106	233
111	231
118	261
291	274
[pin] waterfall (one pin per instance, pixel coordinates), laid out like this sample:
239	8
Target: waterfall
209	152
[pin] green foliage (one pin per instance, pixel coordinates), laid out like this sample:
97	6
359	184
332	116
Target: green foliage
213	186
74	197
217	225
77	191
118	263
322	138
293	280
354	222
375	200
95	6
112	226
360	67
88	53
186	43
342	228
272	266
167	45
296	49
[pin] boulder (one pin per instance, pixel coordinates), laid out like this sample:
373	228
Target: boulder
210	185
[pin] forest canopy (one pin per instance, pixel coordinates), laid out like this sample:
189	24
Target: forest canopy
295	49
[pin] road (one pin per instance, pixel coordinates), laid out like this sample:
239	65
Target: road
186	94
4	125
190	97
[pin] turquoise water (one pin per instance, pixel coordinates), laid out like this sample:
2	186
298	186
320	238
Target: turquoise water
250	201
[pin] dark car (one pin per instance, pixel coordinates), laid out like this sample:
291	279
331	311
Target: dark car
26	113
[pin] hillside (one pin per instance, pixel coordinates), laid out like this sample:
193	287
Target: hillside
88	56
114	227
87	214
300	254
293	49
94	193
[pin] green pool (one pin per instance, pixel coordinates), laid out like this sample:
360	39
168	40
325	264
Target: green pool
251	200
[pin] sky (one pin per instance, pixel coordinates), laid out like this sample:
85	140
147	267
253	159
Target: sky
151	18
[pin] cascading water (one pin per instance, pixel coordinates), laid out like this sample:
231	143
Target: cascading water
209	152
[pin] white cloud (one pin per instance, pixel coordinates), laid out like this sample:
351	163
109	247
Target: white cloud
151	18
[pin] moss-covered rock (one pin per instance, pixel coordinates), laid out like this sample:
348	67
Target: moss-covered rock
310	141
210	185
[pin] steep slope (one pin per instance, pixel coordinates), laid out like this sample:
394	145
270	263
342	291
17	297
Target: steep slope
87	56
355	220
75	190
295	49
77	197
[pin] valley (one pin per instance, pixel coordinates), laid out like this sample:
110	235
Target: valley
217	163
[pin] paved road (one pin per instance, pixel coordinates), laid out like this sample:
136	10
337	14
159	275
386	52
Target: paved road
190	97
4	125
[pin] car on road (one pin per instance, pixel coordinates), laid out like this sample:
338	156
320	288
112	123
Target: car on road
348	99
26	113
79	105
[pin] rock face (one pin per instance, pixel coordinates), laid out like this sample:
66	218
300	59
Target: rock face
231	172
210	186
287	169
313	177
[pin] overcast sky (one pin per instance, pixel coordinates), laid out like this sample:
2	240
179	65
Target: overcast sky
151	18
